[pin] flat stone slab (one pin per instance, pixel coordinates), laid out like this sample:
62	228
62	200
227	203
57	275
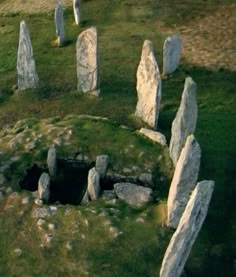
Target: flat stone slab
132	194
153	135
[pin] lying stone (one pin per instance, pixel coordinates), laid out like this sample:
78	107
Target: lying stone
190	224
87	61
76	9
132	194
40	213
27	77
59	22
44	187
171	54
154	136
148	87
52	161
93	184
102	164
184	180
185	121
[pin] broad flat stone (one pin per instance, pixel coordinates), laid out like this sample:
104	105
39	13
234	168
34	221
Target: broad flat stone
93	184
52	161
171	54
154	136
184	180
102	162
132	194
148	87
59	22
87	61
44	187
76	9
27	77
185	121
190	224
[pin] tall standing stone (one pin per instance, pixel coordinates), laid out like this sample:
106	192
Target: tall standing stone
26	70
148	86
185	121
59	22
184	180
76	8
52	161
190	224
171	54
87	61
93	184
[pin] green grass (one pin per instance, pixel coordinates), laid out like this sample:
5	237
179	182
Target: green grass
122	28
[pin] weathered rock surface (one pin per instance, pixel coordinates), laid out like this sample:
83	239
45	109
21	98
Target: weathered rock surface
59	22
76	8
52	161
185	121
44	187
132	194
41	213
27	77
93	184
146	178
148	86
190	224
102	164
87	61
85	199
171	54
154	136
184	180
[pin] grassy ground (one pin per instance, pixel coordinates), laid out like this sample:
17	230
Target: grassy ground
122	27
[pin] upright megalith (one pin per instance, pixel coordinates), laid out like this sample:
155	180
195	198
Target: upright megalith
185	121
148	87
27	77
52	161
76	8
44	187
171	54
190	224
87	61
59	22
93	184
184	180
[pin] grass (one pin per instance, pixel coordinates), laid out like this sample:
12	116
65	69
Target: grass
122	28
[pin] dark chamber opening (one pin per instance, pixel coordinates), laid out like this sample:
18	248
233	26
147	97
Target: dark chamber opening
67	187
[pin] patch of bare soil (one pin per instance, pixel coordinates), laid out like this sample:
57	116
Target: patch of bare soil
30	6
211	41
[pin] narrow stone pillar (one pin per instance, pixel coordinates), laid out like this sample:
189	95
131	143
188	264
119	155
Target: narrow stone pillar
76	8
27	77
59	22
52	161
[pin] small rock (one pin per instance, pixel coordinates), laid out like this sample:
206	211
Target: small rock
38	202
40	213
146	178
25	200
48	237
139	220
53	209
41	222
51	226
69	245
127	170
52	161
18	252
93	184
83	236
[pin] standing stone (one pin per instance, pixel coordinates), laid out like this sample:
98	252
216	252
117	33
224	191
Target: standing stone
185	121
93	184
52	161
148	86
102	164
59	22
184	180
190	224
76	8
44	187
171	54
87	61
27	77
